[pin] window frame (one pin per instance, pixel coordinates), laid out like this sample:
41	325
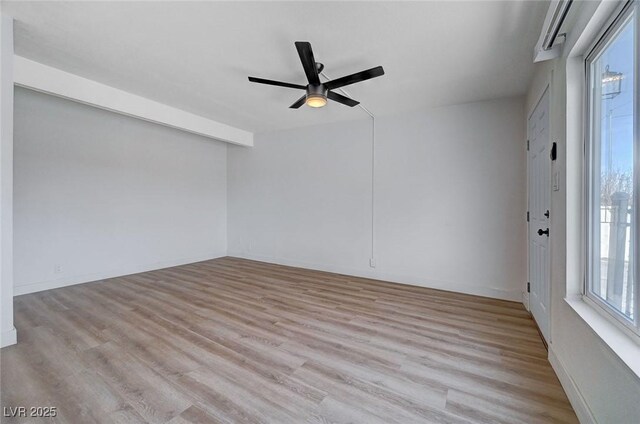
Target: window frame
612	29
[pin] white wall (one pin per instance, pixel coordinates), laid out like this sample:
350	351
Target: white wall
7	330
450	202
99	194
303	195
600	386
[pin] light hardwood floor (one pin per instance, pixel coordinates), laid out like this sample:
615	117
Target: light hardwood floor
231	340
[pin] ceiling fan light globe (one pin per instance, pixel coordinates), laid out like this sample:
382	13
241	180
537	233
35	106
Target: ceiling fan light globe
316	100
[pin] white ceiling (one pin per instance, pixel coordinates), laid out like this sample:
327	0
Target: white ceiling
197	56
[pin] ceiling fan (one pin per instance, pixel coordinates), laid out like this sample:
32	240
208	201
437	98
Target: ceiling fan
318	92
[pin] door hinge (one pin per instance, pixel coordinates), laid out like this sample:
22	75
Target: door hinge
527	216
528	287
527	145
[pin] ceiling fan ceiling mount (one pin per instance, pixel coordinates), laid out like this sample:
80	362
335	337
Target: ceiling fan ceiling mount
317	92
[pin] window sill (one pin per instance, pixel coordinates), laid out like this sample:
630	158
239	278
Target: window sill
617	340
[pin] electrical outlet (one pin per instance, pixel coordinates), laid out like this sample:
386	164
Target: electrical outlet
57	269
372	262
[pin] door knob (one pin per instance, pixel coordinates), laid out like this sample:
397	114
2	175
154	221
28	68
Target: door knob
541	232
546	213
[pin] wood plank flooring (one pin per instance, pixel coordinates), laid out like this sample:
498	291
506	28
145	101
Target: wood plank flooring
237	341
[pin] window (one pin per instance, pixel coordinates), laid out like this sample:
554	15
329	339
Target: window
613	169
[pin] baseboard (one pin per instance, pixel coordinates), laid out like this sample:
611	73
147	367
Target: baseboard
8	337
375	274
579	404
86	278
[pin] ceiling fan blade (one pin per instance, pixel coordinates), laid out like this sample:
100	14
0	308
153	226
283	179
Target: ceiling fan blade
342	99
354	78
308	61
298	102
278	83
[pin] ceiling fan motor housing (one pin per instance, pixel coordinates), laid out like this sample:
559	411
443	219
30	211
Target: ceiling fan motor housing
316	90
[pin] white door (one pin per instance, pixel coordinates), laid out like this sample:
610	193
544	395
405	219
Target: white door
539	214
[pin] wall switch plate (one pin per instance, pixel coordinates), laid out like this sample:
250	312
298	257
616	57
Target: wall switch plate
556	181
372	263
57	269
